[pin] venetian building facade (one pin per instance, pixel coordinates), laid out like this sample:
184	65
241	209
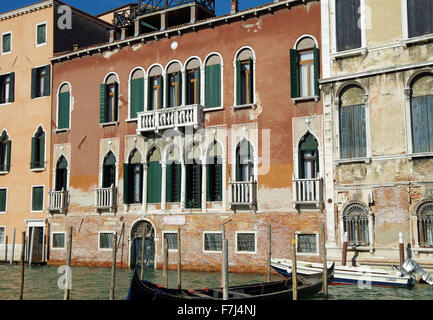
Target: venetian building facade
377	93
29	38
188	120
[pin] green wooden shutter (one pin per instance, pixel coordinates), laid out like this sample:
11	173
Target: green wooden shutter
63	116
198	98
179	89
220	181
126	184
8	155
116	102
47	81
316	71
37	198
217	90
207	86
169	183
33	89
161	92
102	102
294	73
137	97
209	181
251	81
33	156
12	87
42	151
3	195
238	82
141	184
154	175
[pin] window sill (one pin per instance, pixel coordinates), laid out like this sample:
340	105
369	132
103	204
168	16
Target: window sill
42	97
360	248
414	40
62	130
42	211
302	99
420	155
428	250
5	104
311	254
37	169
4	172
245	106
349	53
5	53
353	160
213	109
131	120
108	124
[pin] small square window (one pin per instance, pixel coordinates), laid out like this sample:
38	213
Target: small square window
213	242
7	43
37	198
105	240
246	242
172	240
41	34
2	235
58	240
307	243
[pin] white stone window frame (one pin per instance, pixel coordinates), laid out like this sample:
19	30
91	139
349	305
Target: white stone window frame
315	233
255	242
52	240
204	242
116	122
31	198
164	232
337	147
36	34
110	142
204	82
164	84
405	27
146	85
54	172
354	52
99	240
296	144
2	36
129	92
371	227
235	103
6	201
58	106
6	103
45	148
201	84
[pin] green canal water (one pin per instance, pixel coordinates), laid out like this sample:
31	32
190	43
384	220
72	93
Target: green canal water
41	283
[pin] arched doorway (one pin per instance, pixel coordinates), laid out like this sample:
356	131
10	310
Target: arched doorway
139	229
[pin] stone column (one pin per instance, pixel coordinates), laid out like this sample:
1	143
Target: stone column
204	185
163	186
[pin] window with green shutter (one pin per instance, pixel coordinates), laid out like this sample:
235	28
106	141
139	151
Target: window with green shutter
109	100
213	83
64	107
7	43
133	179
136	93
3	199
37	198
173	182
154	177
41	34
41	79
5	152
193	178
38	150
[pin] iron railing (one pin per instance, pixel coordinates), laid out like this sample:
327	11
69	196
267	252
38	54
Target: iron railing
127	16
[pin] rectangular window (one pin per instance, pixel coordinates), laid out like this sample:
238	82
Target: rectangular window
306	74
419	17
41	81
7	84
213	241
37	198
213	86
6	42
58	240
307	243
2	234
245	78
41	34
3	200
348	24
172	240
105	240
246	242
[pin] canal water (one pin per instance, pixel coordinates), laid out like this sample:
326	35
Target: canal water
42	283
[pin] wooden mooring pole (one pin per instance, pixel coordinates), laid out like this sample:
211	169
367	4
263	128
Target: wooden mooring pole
179	260
13	247
401	248
68	264
225	269
143	241
344	254
113	266
325	264
23	248
269	253
294	273
165	263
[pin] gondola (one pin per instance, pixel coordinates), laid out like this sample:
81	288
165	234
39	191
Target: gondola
279	290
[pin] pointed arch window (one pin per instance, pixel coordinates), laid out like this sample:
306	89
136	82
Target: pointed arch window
133	179
244	161
422	113
61	175
38	150
109	171
154	177
308	157
214	173
173	176
5	152
193	178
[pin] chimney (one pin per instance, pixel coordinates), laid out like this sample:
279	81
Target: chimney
234	6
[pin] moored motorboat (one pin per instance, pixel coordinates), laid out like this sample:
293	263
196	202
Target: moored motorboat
362	275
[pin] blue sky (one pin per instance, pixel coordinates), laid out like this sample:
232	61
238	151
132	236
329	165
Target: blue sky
99	6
